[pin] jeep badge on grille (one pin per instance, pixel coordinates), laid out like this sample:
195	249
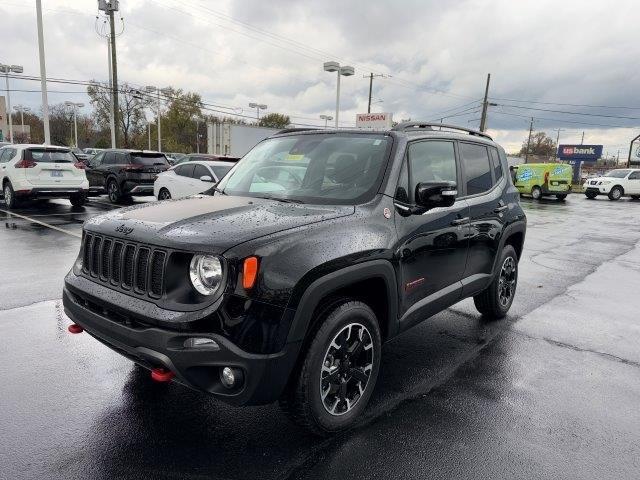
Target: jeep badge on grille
124	229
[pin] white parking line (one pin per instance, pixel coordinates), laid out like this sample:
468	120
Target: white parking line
33	220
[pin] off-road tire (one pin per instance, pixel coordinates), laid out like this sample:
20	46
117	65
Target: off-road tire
616	193
302	401
488	301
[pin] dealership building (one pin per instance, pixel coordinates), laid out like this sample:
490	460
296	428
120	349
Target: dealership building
579	155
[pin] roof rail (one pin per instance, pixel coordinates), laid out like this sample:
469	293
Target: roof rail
296	129
409	126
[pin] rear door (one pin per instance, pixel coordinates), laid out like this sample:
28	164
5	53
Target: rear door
181	184
53	168
93	174
483	184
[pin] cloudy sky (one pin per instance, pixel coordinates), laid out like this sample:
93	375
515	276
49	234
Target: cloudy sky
566	63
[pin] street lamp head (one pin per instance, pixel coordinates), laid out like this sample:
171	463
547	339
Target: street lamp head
166	91
262	106
80	105
68	103
17	68
326	117
331	66
150	88
4	68
253	105
347	71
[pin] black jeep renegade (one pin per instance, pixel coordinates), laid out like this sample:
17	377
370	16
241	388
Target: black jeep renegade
282	282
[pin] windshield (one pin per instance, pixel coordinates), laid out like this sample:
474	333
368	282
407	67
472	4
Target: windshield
43	155
324	169
149	159
617	173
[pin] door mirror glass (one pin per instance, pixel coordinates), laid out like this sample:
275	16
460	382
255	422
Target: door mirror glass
430	195
206	178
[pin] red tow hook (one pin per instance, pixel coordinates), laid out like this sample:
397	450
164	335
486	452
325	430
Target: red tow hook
162	375
75	328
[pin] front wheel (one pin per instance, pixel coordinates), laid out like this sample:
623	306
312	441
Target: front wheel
635	197
494	302
615	193
590	195
339	370
164	194
561	196
536	193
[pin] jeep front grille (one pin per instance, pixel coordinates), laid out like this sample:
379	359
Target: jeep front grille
124	265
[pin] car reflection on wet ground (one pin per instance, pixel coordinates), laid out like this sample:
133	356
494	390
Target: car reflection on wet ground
550	392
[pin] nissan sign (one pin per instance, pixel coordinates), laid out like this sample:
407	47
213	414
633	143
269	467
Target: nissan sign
378	121
580	152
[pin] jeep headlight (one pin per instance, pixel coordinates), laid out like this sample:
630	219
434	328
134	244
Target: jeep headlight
205	272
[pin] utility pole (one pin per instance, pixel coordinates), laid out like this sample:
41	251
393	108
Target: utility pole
582	141
112	120
113	5
526	155
485	105
43	75
371	76
555	155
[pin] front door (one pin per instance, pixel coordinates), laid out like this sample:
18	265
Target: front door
633	183
432	247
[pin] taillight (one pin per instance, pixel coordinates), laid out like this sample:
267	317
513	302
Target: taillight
132	167
249	272
80	165
25	164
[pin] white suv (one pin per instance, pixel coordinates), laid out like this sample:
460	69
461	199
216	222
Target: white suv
615	184
41	171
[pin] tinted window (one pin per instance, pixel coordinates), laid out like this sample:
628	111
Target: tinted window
96	160
184	170
220	170
149	159
634	176
44	155
477	169
495	163
109	158
121	159
617	173
432	161
200	171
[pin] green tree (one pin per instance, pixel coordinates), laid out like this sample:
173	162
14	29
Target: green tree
179	122
275	120
541	144
131	105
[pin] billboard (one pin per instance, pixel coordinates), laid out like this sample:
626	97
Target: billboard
378	121
585	153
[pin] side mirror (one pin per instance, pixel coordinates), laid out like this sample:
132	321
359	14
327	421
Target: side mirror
206	178
430	195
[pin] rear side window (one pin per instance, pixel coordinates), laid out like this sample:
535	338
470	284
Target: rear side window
7	154
431	161
200	171
121	159
43	155
109	158
184	170
634	176
477	169
495	163
149	159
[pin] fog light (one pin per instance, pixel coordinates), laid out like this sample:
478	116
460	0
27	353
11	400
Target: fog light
228	377
201	342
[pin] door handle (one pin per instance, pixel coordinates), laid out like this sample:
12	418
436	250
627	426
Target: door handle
502	208
459	221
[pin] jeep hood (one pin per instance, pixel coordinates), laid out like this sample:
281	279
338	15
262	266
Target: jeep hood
209	223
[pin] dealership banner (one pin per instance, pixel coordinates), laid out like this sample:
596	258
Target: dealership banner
580	152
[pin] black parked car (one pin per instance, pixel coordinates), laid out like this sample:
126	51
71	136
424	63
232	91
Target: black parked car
317	247
123	173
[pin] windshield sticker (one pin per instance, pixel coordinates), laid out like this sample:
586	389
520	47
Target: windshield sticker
294	157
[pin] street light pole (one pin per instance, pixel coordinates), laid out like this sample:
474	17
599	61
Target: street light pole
43	74
346	71
149	133
75	107
326	118
258	107
165	91
6	69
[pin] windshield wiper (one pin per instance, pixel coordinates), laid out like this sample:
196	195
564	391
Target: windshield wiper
281	199
216	189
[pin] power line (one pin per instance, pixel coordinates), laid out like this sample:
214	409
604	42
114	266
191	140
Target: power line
621	117
564	104
560	121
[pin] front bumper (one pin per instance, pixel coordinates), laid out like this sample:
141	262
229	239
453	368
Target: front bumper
265	375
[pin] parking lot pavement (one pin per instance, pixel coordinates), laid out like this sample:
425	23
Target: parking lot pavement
550	392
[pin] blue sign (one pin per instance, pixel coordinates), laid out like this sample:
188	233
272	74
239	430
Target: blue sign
588	153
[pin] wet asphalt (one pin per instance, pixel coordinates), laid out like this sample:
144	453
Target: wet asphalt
550	392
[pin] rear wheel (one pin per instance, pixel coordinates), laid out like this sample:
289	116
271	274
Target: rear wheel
590	195
339	371
78	199
10	200
561	196
113	190
536	193
635	197
615	193
494	302
164	194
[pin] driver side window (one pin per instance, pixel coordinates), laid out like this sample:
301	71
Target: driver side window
430	161
634	176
